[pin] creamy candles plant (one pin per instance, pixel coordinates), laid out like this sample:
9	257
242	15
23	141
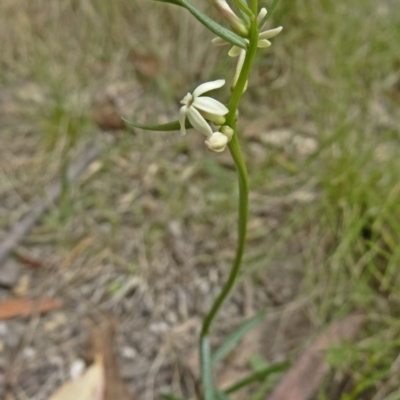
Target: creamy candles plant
218	122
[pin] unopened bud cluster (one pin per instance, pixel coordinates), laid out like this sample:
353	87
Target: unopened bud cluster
236	51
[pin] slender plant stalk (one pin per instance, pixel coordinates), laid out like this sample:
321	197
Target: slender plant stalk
237	156
249	27
236	153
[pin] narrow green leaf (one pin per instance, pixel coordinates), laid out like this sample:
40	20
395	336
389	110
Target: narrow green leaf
170	397
176	2
218	29
221	395
206	373
258	376
170	126
270	12
235	337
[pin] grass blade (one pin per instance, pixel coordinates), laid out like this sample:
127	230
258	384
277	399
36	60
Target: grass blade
175	2
258	376
235	337
206	373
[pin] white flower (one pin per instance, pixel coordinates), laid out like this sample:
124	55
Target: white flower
217	142
197	109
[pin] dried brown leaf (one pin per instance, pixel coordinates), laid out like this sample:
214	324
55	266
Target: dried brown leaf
306	376
25	307
89	386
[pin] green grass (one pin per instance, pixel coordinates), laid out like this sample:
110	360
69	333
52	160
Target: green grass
354	233
331	75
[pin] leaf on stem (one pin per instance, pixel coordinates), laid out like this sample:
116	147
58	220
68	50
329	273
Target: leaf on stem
175	2
170	126
235	337
270	12
214	27
206	373
170	397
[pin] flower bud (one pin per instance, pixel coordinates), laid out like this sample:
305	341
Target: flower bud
239	67
263	12
236	23
227	131
215	119
217	142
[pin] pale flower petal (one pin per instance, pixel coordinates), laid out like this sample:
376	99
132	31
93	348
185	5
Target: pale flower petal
210	105
206	87
270	33
239	66
263	43
219	42
182	119
263	12
234	51
217	120
198	122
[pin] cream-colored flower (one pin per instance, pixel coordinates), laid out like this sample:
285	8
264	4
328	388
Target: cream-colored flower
199	109
217	142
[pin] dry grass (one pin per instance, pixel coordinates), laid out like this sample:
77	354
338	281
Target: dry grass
149	232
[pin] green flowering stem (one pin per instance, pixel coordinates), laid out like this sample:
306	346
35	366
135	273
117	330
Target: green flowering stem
237	156
236	153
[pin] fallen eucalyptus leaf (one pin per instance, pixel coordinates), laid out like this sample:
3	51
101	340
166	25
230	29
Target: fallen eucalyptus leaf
89	386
